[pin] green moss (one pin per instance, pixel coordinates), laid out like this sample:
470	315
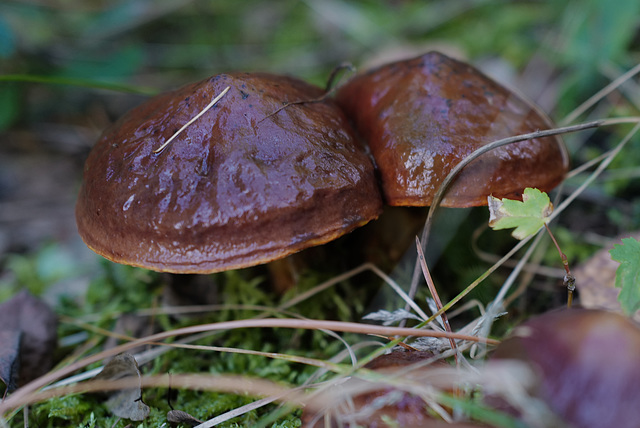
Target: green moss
60	409
120	289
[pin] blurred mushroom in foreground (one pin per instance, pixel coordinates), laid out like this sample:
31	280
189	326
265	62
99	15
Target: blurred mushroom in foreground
246	183
361	401
587	362
421	117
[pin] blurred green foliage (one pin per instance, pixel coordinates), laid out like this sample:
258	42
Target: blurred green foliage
38	271
167	43
595	35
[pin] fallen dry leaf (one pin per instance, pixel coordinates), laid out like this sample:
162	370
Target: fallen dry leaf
180	417
28	339
9	357
595	280
125	403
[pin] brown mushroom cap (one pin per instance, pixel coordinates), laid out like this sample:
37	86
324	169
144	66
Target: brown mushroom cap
422	116
238	187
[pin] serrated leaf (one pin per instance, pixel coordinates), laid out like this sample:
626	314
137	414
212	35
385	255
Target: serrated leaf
526	216
628	274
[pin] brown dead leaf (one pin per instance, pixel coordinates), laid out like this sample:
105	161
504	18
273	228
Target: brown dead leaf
125	403
28	340
9	358
180	417
595	280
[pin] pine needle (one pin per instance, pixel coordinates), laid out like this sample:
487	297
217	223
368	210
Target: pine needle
196	117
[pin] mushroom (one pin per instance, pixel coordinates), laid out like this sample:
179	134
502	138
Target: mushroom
421	117
587	365
250	181
362	401
246	183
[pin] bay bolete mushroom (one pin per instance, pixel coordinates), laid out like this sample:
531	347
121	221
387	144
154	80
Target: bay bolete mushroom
421	117
246	183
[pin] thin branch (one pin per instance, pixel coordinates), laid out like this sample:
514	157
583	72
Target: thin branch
497	304
332	77
569	280
327	93
293	103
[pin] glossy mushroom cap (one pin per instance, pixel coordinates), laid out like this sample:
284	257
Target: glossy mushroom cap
422	116
240	186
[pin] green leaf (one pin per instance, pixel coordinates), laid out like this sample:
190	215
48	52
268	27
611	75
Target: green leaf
628	274
526	216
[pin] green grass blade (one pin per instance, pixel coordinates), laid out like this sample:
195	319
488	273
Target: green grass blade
85	83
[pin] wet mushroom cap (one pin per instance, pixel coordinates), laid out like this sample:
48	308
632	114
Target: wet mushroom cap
238	187
422	116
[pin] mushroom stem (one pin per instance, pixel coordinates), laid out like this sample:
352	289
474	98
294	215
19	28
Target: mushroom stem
569	279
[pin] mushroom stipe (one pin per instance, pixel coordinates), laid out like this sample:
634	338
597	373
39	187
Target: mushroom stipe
240	185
